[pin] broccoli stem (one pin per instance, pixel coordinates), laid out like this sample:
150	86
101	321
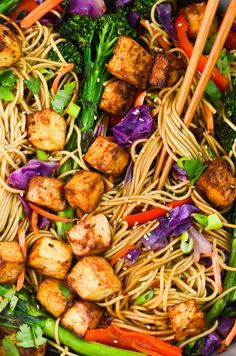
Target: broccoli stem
8	5
81	346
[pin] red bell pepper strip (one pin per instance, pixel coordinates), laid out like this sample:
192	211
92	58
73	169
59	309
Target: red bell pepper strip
230	42
152	214
130	340
183	42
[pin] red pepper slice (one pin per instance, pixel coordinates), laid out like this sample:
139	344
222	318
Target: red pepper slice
181	28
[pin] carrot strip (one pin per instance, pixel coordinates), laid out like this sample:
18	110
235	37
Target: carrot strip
79	213
34	222
208	118
37	13
120	254
216	267
48	215
140	99
59	75
228	340
160	39
22	242
137	347
20	280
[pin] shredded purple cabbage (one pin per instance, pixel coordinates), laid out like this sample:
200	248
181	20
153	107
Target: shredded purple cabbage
224	326
122	3
211	343
129	173
42	222
164	14
20	177
137	124
180	173
133	17
133	255
26	208
200	244
99	129
157	239
93	8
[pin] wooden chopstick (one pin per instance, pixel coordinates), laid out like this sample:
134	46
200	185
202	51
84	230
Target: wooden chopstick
214	54
211	8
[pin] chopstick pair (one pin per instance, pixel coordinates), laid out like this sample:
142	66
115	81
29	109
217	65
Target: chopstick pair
199	45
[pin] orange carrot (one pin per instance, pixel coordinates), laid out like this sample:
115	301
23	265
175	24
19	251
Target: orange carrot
48	215
160	39
140	99
22	243
144	350
37	13
120	254
34	222
216	268
208	118
20	280
228	340
59	75
79	213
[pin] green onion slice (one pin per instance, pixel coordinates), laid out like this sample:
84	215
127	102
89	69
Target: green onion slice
201	219
186	244
214	222
145	297
73	110
42	156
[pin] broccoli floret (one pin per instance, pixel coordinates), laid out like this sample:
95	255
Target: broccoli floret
143	7
70	53
229	102
225	135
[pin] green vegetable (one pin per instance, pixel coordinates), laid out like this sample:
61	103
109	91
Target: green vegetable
7	80
42	156
62	227
62	97
229	102
8	5
9	347
201	219
209	44
70	53
193	168
73	110
213	92
25	336
186	244
6	94
215	311
225	135
213	222
64	291
33	85
223	62
153	96
143	7
28	312
145	297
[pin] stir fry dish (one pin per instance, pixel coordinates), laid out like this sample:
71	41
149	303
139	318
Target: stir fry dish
117	177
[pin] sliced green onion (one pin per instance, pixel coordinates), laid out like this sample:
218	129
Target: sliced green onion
214	222
145	297
73	110
21	216
201	219
62	227
42	156
181	161
186	245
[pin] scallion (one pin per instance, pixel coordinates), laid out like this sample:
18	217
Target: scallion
145	297
73	110
213	222
201	219
186	245
42	156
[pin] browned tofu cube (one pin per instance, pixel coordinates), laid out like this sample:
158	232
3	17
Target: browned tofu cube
194	14
46	130
217	185
50	257
130	62
90	236
80	317
93	278
54	296
166	70
10	51
117	98
107	157
84	190
186	319
46	192
11	262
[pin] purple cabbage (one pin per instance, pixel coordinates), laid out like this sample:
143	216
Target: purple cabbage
137	124
200	244
93	8
42	222
133	17
129	173
224	326
211	343
164	14
122	3
133	255
178	221
26	208
180	173
20	177
99	129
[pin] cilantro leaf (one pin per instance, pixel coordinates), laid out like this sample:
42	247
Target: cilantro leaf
64	291
212	91
62	97
38	336
13	302
25	336
223	62
3	304
6	94
33	85
209	44
9	347
7	78
193	168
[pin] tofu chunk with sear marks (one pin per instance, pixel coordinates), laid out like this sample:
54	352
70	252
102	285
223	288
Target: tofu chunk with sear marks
107	157
54	296
187	319
10	51
50	257
80	317
117	98
46	130
217	184
93	278
11	262
84	190
90	236
47	192
130	62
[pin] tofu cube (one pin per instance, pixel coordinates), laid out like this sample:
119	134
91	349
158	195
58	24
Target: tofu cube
80	317
84	190
187	319
54	296
11	262
107	157
47	192
46	130
90	236
93	278
50	257
10	51
166	70
217	184
117	98
130	62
